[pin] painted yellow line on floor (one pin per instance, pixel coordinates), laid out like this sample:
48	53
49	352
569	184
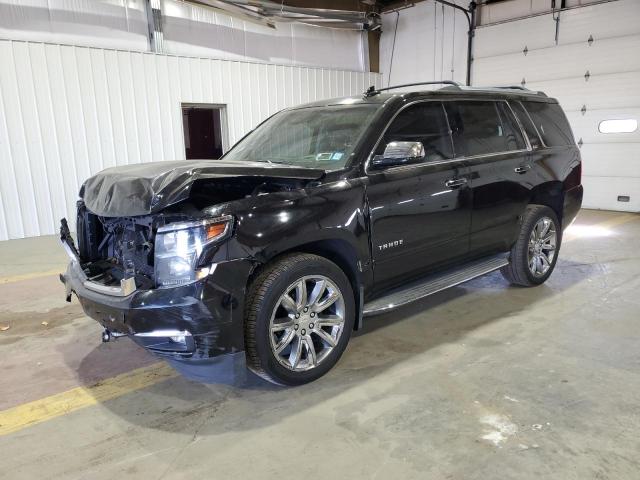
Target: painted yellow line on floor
32	413
29	276
39	411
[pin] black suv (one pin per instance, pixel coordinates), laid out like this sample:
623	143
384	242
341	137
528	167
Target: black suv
324	214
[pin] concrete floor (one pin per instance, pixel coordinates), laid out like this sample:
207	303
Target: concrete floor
483	381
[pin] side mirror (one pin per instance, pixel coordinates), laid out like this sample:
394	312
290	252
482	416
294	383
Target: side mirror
399	153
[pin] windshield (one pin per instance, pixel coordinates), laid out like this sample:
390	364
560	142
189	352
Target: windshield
314	137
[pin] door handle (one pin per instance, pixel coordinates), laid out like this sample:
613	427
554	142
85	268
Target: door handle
522	168
455	182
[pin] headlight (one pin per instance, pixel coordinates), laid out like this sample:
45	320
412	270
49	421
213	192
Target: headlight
178	247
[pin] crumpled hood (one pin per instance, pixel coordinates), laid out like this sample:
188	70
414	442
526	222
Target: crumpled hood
146	188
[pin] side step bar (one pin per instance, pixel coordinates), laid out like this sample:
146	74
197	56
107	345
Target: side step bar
434	283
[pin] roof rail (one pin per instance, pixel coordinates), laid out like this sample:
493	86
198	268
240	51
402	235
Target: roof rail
524	89
372	91
513	87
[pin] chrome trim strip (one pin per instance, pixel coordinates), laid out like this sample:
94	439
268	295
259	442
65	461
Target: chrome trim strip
484	155
72	256
164	333
126	288
522	131
492	265
443	162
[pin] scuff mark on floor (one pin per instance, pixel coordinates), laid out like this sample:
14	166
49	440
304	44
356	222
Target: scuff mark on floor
500	428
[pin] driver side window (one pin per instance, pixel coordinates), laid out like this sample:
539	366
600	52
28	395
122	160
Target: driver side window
423	122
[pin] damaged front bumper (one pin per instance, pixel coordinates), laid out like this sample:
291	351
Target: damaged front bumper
200	320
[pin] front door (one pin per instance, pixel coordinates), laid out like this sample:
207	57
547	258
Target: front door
420	213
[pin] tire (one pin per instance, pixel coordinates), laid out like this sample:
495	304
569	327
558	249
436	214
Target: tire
523	269
316	337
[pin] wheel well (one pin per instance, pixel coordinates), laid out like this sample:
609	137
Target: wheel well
343	255
551	195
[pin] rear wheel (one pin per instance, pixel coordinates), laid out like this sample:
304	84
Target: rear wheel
299	317
535	253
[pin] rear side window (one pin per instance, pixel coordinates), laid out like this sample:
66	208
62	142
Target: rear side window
551	123
422	122
482	127
529	129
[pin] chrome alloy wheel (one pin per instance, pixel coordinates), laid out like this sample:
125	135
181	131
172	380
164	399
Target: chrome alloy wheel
307	322
542	246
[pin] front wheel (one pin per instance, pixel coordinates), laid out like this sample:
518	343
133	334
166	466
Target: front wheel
535	253
299	317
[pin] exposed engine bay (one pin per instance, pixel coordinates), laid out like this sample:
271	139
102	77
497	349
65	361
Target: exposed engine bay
112	249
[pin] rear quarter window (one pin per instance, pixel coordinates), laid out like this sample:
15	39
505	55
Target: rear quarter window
527	125
551	123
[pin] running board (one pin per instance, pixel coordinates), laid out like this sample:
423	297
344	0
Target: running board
434	283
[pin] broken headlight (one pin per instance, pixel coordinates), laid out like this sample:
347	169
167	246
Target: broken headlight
178	247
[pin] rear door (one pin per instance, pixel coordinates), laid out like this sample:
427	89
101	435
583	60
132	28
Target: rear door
420	213
487	135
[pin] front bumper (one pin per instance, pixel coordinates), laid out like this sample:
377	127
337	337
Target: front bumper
207	313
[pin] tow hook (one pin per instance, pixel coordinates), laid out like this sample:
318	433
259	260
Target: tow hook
108	335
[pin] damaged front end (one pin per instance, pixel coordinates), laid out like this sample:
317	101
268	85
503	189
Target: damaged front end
151	260
162	250
190	318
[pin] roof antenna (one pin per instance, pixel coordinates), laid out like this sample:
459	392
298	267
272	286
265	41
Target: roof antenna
371	91
393	48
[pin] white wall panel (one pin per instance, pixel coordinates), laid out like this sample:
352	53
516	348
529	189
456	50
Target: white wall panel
510	38
611	162
600	195
431	44
613	90
585	126
572	61
576	26
68	112
511	9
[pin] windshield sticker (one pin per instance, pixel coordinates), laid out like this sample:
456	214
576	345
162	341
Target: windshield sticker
337	156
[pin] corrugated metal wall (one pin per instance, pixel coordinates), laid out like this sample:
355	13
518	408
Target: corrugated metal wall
188	29
67	112
507	53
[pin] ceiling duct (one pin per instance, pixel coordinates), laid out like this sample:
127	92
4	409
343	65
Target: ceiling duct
269	13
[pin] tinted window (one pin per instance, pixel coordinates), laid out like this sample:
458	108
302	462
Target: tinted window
422	122
551	123
316	137
482	127
529	129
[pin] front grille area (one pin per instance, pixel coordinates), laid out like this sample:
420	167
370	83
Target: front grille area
115	248
129	242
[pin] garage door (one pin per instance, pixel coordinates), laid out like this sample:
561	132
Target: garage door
594	71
